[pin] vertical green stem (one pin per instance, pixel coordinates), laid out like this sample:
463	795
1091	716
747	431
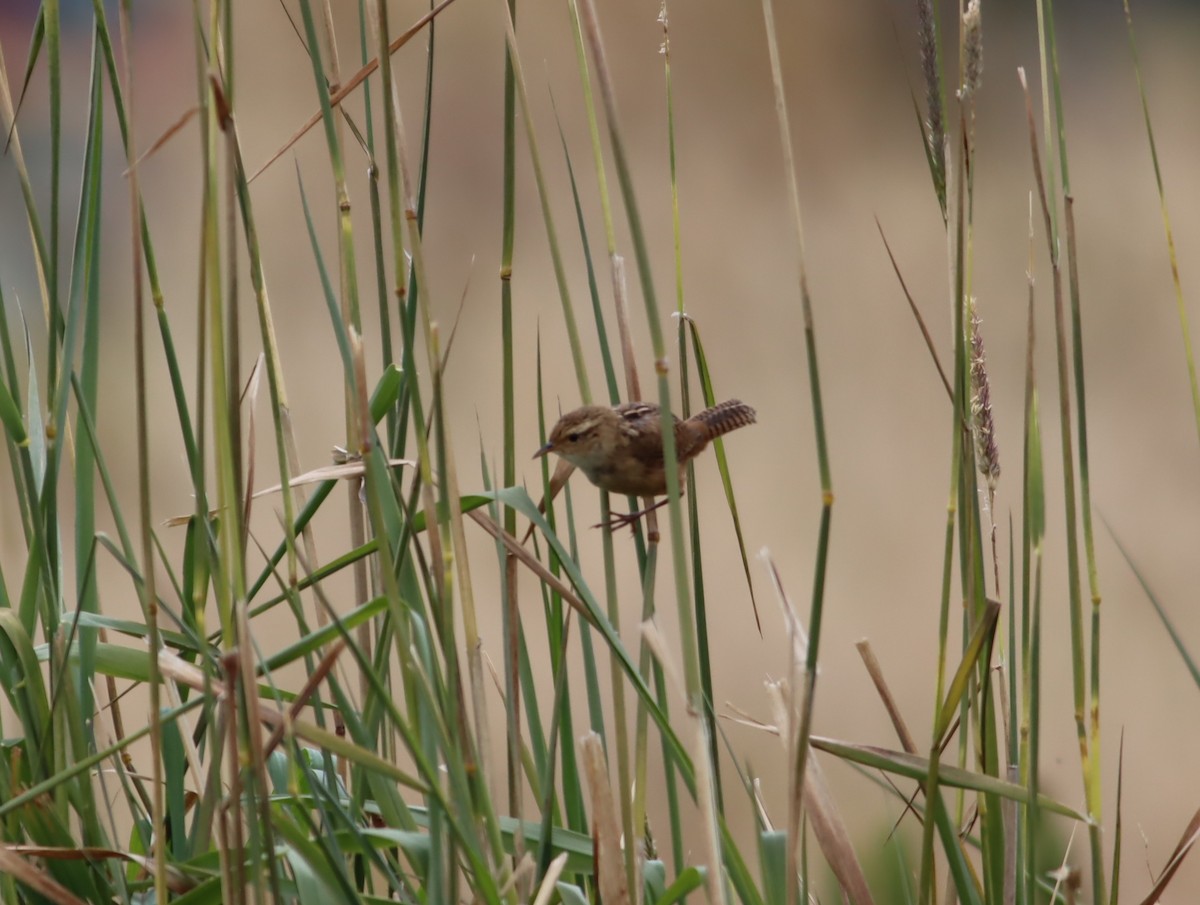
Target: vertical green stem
149	589
799	766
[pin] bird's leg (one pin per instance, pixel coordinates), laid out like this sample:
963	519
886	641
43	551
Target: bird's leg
621	520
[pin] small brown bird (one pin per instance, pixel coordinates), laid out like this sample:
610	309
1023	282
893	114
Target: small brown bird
621	449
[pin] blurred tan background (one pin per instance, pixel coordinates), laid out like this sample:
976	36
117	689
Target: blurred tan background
860	158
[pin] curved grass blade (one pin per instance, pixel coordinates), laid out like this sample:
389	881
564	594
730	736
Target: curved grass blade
1180	305
610	374
10	416
352	83
24	688
722	460
1159	609
689	880
35	46
383	398
1186	842
914	766
980	641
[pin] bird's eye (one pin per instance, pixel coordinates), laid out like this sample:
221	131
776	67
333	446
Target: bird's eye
573	436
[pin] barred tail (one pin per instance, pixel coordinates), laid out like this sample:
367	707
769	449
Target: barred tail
723	418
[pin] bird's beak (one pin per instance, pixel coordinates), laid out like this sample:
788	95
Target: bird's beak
548	448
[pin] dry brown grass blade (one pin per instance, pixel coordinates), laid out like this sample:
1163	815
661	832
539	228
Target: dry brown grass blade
830	830
176	880
661	652
525	756
172	666
521	877
233	825
462	304
606	829
310	685
1037	163
875	671
249	402
547	890
16	866
354	81
118	727
810	795
171	132
337	472
1186	842
325	614
530	562
906	740
557	482
885	695
710	845
820	808
633	386
916	312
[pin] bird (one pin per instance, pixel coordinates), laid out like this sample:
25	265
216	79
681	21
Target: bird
620	448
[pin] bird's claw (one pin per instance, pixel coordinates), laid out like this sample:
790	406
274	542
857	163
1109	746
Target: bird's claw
617	522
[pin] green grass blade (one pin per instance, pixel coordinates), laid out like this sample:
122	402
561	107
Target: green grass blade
970	666
606	359
710	398
10	415
1164	617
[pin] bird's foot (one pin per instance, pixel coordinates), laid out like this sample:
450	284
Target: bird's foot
623	519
